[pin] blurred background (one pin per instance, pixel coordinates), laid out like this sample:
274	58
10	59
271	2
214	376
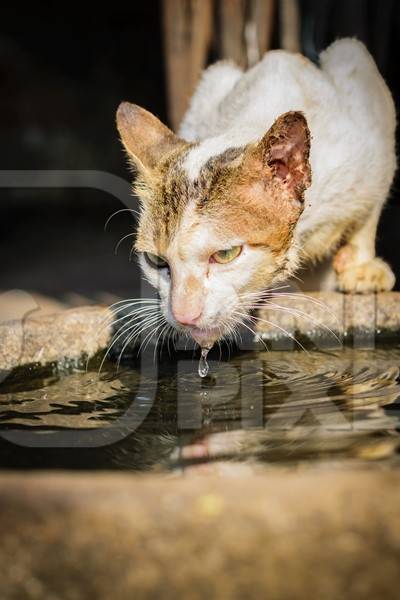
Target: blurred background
63	72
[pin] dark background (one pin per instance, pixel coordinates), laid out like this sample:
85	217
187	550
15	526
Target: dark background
63	71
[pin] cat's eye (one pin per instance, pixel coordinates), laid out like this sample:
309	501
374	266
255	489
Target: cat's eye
226	256
155	261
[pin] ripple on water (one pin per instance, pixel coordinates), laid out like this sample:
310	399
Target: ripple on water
256	409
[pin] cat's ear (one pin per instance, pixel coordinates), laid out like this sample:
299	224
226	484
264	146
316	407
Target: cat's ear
144	137
283	154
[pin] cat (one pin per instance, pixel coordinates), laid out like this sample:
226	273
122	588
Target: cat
273	168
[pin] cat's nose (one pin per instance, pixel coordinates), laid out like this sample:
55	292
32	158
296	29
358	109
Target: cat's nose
186	317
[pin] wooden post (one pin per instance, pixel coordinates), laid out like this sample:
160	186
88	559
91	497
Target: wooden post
233	18
258	29
290	25
245	35
187	34
264	13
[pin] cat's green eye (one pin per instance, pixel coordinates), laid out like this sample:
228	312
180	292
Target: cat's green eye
226	256
155	261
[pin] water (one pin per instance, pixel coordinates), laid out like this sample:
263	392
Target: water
256	410
203	368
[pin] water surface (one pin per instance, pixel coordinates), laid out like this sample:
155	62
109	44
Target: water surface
253	410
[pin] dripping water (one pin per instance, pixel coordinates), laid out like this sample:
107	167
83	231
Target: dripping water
203	364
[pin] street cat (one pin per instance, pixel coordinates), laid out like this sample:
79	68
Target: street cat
272	169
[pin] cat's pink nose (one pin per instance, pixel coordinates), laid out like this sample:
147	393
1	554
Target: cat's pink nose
186	317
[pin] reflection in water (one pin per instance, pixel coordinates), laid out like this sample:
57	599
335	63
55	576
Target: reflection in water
258	408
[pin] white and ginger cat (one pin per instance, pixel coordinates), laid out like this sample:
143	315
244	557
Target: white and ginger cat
272	168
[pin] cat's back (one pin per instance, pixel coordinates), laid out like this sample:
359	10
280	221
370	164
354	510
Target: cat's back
229	99
347	82
348	107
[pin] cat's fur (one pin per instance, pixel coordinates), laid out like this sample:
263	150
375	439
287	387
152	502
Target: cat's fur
240	173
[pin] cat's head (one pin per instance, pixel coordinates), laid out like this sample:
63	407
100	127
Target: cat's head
214	232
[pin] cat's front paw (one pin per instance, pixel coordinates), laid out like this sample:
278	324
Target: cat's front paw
372	276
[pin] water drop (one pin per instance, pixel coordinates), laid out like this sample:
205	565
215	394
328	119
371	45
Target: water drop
203	364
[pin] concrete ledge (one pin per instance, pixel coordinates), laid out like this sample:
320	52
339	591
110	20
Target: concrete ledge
82	332
314	314
291	535
70	335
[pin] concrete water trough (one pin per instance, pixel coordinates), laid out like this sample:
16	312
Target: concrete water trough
229	529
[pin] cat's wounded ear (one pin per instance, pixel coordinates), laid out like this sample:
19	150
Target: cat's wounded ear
146	140
285	149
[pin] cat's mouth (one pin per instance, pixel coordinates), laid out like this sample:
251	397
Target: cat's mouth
206	337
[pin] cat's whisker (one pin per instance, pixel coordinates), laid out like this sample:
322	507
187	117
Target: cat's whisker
149	336
239	320
226	325
300	313
131	301
108	320
233	332
297	277
167	335
129	337
292	337
231	339
265	296
137	332
269	303
162	338
220	350
114	340
237	336
163	326
121	240
264	291
168	338
256	335
122	305
126	344
187	340
134	314
301	296
132	210
138	315
163	329
106	323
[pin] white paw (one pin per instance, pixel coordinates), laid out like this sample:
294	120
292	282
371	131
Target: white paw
372	276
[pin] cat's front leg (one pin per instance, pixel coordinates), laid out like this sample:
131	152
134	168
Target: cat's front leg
358	269
372	276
